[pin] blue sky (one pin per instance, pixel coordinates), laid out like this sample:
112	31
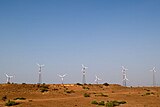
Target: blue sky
63	34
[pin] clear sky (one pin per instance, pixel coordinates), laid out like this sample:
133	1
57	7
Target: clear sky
63	34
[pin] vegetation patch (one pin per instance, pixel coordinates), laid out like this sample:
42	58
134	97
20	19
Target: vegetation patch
11	103
20	98
101	95
94	102
108	103
86	95
147	90
87	88
102	103
106	84
4	98
44	88
114	103
148	93
55	89
79	84
69	91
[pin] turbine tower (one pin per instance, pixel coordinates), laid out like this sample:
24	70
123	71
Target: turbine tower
154	80
84	74
97	79
8	78
124	79
40	75
62	77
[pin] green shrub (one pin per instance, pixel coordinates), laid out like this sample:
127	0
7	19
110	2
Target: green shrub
69	91
114	103
101	103
104	95
55	89
19	98
4	98
106	84
8	83
109	104
122	102
79	84
147	90
94	102
148	93
86	95
101	95
11	103
44	88
87	88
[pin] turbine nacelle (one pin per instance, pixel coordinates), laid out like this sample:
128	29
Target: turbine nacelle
62	76
124	69
153	69
8	76
84	67
40	65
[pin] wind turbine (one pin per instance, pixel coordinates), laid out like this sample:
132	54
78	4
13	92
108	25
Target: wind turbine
8	78
40	75
125	80
62	77
97	79
154	71
124	75
84	74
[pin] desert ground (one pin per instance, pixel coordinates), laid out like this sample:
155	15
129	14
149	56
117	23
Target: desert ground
72	95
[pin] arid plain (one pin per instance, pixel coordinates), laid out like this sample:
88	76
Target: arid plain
77	95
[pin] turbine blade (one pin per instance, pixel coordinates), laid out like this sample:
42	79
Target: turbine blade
154	68
82	66
64	75
42	65
123	67
38	64
6	75
96	76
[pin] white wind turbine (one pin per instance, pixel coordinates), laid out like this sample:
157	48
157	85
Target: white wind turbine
97	79
154	80
84	74
40	75
62	77
124	79
8	78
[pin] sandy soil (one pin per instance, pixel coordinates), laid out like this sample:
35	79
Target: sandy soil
71	95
